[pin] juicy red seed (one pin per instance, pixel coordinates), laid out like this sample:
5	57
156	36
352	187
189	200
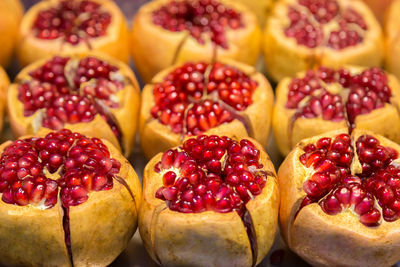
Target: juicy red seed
331	205
26	183
206	183
169	178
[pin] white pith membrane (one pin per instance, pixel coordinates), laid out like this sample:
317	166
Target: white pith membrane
177	161
358	184
70	90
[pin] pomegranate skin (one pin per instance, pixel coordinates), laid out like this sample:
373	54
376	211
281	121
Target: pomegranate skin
148	39
392	41
207	238
126	114
156	137
100	228
11	12
285	57
379	7
384	120
4	84
332	240
261	9
115	42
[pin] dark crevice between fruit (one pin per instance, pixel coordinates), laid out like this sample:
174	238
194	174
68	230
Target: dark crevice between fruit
153	227
251	234
67	232
179	48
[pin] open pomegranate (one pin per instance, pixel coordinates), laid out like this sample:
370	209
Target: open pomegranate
211	202
392	32
66	200
197	97
340	199
301	34
73	26
92	94
169	32
11	12
325	99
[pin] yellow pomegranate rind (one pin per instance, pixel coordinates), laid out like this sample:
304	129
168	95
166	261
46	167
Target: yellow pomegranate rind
114	43
4	83
331	240
126	114
284	57
11	12
392	40
207	238
154	48
379	7
156	137
100	228
384	121
261	8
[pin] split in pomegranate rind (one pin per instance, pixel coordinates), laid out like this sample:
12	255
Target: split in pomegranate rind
222	98
331	212
79	92
65	181
220	235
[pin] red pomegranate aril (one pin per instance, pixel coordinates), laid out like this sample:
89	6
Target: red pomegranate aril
371	218
331	205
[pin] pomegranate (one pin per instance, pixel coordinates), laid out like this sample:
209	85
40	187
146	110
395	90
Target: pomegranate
169	32
325	99
301	34
66	200
11	12
222	98
261	8
393	39
340	199
91	94
73	26
213	201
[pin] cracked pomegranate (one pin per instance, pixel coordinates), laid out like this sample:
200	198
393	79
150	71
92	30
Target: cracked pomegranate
58	192
196	97
325	99
211	201
301	34
392	34
11	12
84	93
73	26
182	30
340	199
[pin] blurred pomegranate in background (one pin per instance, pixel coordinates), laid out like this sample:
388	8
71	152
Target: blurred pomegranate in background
379	8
